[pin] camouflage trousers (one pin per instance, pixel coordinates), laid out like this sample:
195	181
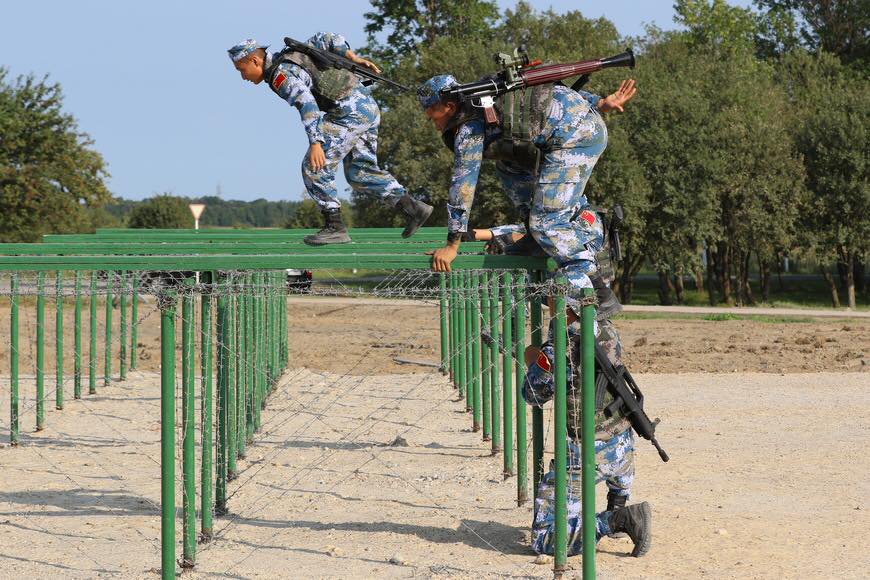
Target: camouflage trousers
550	200
357	148
614	460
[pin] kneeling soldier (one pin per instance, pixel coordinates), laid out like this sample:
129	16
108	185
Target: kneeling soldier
341	119
614	443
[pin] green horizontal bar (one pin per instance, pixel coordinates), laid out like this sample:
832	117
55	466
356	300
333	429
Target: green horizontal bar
247	262
218	247
397	232
361	234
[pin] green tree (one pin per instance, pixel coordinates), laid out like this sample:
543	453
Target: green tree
163	211
832	116
839	27
49	173
421	22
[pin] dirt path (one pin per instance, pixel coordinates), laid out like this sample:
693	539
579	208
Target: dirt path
767	480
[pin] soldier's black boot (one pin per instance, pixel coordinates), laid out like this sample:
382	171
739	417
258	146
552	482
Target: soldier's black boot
416	213
614	502
636	521
333	232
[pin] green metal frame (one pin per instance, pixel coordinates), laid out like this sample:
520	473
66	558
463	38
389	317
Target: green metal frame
252	346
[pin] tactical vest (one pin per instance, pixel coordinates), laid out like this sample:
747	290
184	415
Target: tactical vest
329	85
522	114
605	427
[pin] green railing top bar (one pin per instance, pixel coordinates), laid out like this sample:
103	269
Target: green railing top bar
419	261
361	234
129	247
386	232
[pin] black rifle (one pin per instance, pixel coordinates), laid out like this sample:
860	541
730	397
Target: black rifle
615	221
324	59
626	397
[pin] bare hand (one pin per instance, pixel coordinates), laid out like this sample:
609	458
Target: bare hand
362	62
617	100
316	158
442	257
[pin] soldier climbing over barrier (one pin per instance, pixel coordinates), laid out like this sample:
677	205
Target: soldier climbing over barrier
321	78
545	138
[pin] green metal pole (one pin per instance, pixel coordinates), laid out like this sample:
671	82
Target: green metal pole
442	305
40	351
237	376
223	449
258	351
483	325
13	360
587	443
107	374
92	337
494	360
58	329
461	334
474	288
469	346
537	412
188	429
250	400
451	282
122	354
167	434
560	436
134	323
206	506
507	306
520	367
483	291
77	337
235	438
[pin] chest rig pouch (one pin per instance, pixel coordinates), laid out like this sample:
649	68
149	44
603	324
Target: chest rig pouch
522	115
329	85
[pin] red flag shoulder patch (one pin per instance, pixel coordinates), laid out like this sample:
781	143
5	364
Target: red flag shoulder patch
543	361
278	81
588	217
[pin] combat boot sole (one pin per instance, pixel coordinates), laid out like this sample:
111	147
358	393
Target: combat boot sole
325	238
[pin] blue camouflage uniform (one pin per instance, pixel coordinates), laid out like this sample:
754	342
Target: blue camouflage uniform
348	132
572	139
614	440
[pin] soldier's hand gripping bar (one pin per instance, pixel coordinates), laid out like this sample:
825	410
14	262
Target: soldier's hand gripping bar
322	57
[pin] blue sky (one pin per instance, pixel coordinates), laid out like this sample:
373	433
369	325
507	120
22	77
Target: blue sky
152	85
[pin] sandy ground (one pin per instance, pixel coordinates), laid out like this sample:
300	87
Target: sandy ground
767	477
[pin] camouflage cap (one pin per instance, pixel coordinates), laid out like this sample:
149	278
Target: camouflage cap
244	49
429	93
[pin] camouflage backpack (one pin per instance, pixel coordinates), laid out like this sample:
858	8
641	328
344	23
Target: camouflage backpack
522	114
330	84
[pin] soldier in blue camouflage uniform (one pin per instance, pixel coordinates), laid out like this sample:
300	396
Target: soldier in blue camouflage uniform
614	443
572	139
341	129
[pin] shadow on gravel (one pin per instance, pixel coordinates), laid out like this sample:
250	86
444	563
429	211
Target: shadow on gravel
491	536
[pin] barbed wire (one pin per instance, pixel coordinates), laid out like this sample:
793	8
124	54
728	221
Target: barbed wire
421	286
